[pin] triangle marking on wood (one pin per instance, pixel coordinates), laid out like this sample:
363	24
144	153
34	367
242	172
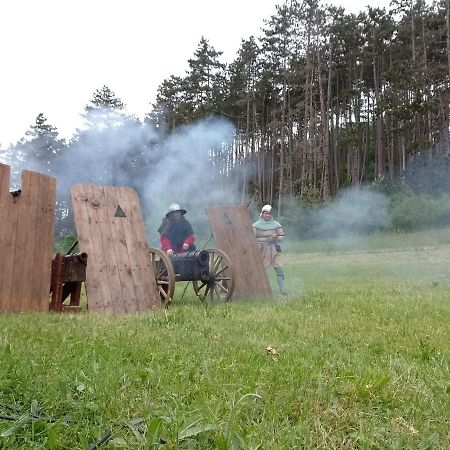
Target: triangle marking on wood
119	212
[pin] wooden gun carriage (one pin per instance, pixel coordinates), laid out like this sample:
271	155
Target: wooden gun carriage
209	270
68	272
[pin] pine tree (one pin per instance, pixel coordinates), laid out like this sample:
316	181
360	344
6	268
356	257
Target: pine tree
41	148
206	80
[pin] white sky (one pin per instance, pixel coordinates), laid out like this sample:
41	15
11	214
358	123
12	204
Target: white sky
56	53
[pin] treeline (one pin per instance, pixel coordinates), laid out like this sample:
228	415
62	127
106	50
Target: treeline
325	99
321	100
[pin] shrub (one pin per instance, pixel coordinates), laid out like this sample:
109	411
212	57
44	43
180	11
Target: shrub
411	211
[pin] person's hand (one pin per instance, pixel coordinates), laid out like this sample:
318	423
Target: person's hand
185	247
170	252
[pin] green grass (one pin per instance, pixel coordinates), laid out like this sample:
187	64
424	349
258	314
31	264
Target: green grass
362	361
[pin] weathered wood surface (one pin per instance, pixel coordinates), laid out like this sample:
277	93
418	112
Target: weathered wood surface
120	277
26	233
233	231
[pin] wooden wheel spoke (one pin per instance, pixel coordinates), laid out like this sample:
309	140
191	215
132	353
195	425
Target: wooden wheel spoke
224	289
222	278
221	271
162	292
217	292
160	275
217	263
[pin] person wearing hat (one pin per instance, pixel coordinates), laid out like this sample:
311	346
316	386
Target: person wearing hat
176	232
269	234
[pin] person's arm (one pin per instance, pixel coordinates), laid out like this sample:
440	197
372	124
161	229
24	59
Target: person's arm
280	234
190	239
165	243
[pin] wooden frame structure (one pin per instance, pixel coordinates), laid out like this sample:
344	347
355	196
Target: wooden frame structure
26	231
68	272
120	278
233	231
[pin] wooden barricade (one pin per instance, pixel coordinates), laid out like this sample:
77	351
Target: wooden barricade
233	231
26	230
120	278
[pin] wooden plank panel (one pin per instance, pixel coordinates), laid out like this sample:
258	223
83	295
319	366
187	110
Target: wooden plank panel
42	263
25	246
4	178
119	247
5	236
106	252
152	289
89	234
22	230
129	301
136	239
21	239
233	231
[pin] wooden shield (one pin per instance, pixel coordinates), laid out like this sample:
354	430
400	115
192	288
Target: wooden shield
26	232
233	231
120	278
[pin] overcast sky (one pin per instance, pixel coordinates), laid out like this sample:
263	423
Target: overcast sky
56	53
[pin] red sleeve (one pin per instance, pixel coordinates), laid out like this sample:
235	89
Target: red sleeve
165	243
190	240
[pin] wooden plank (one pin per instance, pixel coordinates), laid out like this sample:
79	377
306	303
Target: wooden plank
89	231
233	232
21	250
44	232
118	246
140	263
80	196
25	245
152	296
106	252
4	178
5	236
128	303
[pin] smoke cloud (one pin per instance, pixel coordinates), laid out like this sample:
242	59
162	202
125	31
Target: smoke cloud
181	167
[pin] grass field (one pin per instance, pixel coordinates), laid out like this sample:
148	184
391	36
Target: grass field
360	360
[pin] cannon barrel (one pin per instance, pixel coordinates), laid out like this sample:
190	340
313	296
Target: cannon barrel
199	256
80	257
191	266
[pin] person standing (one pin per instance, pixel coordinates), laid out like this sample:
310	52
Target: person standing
269	233
176	232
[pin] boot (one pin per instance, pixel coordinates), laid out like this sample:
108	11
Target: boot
280	281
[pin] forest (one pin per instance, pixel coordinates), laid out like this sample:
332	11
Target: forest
321	101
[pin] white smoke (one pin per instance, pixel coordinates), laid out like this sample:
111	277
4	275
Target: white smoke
344	221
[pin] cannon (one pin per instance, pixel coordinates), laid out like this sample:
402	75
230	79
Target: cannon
68	272
210	272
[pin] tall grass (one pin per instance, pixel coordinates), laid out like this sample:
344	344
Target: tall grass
357	357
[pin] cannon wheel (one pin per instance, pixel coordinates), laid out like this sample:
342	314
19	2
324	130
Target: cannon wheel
164	274
220	286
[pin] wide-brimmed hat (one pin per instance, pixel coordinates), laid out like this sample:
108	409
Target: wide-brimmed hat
175	207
